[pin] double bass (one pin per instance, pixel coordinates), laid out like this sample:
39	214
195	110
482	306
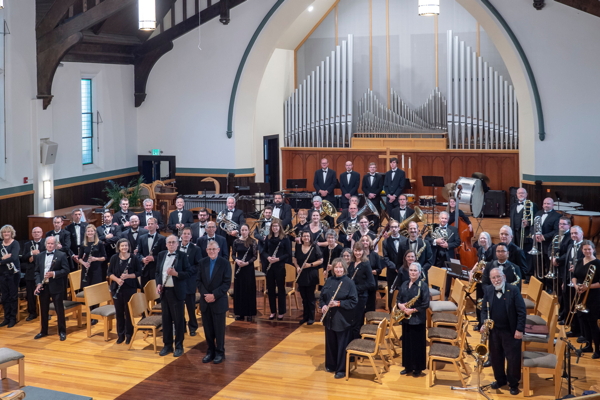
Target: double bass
467	254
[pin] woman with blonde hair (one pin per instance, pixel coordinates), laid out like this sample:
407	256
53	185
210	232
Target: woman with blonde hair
10	274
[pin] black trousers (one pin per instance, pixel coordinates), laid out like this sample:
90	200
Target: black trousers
372	299
308	301
172	315
9	287
190	305
124	325
276	289
59	307
391	277
335	349
214	331
414	347
31	299
568	295
359	316
589	326
504	346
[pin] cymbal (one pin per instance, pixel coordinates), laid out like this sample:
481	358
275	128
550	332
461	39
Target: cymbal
482	176
448	190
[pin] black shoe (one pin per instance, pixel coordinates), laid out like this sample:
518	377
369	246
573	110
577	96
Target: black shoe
40	335
310	322
328	370
339	375
595	356
178	353
571	334
128	340
496	385
417	373
280	318
208	358
561	321
588	349
272	317
63	336
487	364
11	324
406	372
4	323
31	317
249	319
581	339
218	359
120	340
165	351
192	333
94	322
514	391
476	328
302	321
239	318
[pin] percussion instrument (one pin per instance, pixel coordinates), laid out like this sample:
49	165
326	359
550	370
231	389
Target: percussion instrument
212	201
589	221
566	209
564	205
470	195
427	201
409	197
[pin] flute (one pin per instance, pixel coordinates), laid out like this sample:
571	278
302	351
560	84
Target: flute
304	263
332	298
274	255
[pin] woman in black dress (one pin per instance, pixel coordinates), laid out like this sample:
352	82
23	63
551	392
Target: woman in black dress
332	251
91	256
317	229
244	282
307	259
278	251
10	274
360	272
451	210
339	298
363	230
589	320
484	247
409	258
376	264
123	271
300	226
414	332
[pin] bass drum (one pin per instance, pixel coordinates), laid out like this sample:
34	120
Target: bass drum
470	195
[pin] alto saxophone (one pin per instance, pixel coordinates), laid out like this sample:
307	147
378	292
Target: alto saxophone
399	315
476	276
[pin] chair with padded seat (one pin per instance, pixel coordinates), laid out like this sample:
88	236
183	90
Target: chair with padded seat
450	306
544	362
152	296
448	353
382	287
369	349
290	277
99	295
137	308
8	358
548	317
437	277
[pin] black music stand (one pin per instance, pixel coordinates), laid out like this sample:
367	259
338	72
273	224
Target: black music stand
433	182
205	187
296	184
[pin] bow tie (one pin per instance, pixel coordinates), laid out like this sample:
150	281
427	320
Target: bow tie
184	247
148	214
231	210
150	236
501	264
547	212
134	231
413	241
403	209
396	239
521	203
324	170
202	226
277	206
76	224
349	172
172	254
442	227
106	226
498	290
49	254
373	175
211	239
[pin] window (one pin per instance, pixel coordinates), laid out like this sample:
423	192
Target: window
87	131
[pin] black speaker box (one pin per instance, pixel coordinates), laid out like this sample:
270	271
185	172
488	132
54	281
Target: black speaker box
495	204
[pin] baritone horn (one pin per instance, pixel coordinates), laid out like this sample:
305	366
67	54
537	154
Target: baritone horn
416	217
226	224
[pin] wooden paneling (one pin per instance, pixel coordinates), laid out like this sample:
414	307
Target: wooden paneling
501	166
86	193
14	211
588	196
192	184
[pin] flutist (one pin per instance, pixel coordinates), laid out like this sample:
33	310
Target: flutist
307	260
10	275
277	252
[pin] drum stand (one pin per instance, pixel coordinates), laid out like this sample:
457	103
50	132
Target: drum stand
478	388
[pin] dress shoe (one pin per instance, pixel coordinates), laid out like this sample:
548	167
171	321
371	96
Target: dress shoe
496	385
31	317
178	353
120	340
476	328
487	364
406	372
4	323
218	359
572	334
62	336
249	319
310	322
11	324
302	321
40	335
561	321
128	340
238	318
328	370
339	375
192	333
165	351
514	391
94	322
581	339
417	373
588	349
280	318
208	358
272	317
595	356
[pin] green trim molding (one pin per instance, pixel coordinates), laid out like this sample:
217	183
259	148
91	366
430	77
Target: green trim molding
91	177
238	75
534	88
214	171
16	190
549	179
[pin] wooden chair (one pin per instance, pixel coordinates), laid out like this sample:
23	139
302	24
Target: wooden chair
382	287
450	306
8	358
95	295
75	287
531	295
546	363
370	349
74	308
437	277
448	353
449	319
547	309
447	335
318	293
290	277
375	317
369	331
137	307
151	297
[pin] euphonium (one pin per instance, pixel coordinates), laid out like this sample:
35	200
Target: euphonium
416	217
226	224
481	349
399	315
476	276
537	227
328	210
556	240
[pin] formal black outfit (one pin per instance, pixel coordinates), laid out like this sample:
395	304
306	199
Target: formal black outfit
393	252
276	273
440	254
117	267
93	274
28	267
221	241
508	313
346	240
144	249
327	218
393	183
573	256
338	320
194	256
424	258
414	332
120	217
263	227
513	275
284	213
308	279
132	236
487	255
373	184
564	261
325	180
143	216
76	241
236	216
362	277
174	289
214	277
187	219
516	223
53	290
550	222
329	255
198	230
377	266
400	214
349	182
358	235
461	215
244	281
9	281
318	236
64	239
515	256
109	244
588	322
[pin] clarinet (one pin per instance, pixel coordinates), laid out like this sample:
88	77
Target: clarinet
243	260
168	276
85	255
274	255
115	296
332	298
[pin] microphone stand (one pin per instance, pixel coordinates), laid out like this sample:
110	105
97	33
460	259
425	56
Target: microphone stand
569	348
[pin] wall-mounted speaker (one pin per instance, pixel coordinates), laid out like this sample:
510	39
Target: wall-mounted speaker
48	152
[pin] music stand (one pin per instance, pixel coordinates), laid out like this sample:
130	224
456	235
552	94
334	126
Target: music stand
296	184
433	182
205	187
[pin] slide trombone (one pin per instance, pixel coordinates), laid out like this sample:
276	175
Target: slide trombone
539	266
579	304
527	215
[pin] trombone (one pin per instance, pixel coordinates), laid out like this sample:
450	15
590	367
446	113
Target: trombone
539	269
527	215
579	304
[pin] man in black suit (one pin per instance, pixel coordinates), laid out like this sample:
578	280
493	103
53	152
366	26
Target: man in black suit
63	242
149	247
393	250
180	218
443	247
150	213
193	254
403	211
282	210
235	215
51	269
214	279
372	185
515	254
171	274
504	305
560	263
349	182
549	220
393	184
573	254
77	231
199	228
520	225
261	232
30	249
211	236
415	243
512	272
324	181
134	232
351	218
108	234
121	217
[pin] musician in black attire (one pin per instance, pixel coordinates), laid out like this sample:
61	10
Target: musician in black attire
360	272
485	247
505	306
317	202
362	231
515	254
123	271
403	275
108	234
63	242
148	248
194	256
324	181
133	233
376	263
549	220
560	263
330	252
413	300
278	251
180	218
422	249
403	211
349	182
30	250
234	215
443	247
451	209
338	299
211	228
10	275
300	226
245	253
282	210
572	256
589	267
393	247
372	185
316	228
199	228
307	260
122	217
393	184
261	232
91	256
522	227
77	231
148	213
350	219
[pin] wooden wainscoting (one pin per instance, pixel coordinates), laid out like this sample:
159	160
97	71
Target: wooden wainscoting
14	210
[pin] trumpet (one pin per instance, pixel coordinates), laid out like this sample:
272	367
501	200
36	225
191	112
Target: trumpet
527	215
226	224
579	304
11	266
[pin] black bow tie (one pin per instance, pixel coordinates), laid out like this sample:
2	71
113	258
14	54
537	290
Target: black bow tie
413	241
396	239
278	206
202	226
134	231
501	264
546	212
49	254
521	203
349	172
498	290
403	209
150	236
211	239
184	247
324	170
442	227
76	224
373	175
172	254
148	214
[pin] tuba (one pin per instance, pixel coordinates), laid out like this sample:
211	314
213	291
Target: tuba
226	224
327	210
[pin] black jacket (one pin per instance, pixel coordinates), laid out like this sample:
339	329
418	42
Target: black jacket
285	214
116	268
29	267
421	305
453	243
159	244
363	278
187	219
396	185
511	271
194	257
155	214
352	187
133	242
71	229
60	267
340	318
395	214
223	248
64	238
218	284
549	228
515	306
182	266
327	184
375	188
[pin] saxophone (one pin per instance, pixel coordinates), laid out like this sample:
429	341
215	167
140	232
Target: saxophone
399	315
482	349
476	276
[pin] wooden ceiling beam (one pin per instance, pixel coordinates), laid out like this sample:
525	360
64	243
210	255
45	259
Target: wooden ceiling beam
53	16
